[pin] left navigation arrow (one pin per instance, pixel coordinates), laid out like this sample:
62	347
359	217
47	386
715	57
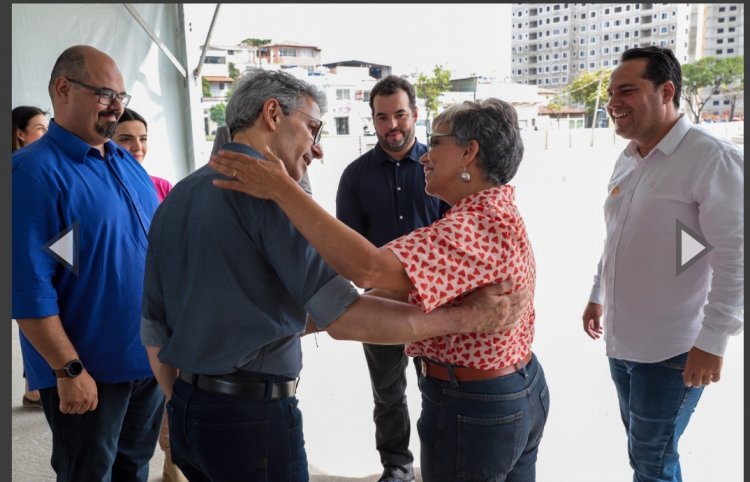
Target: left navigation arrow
64	247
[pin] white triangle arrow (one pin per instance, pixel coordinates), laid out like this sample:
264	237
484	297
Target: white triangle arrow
64	248
691	247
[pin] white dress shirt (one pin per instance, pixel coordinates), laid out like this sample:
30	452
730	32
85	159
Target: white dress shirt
650	312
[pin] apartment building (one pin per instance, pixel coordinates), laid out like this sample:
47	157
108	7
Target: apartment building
723	29
553	43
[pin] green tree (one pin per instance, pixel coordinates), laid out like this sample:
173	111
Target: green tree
234	72
218	112
583	90
255	42
205	87
733	81
430	88
701	80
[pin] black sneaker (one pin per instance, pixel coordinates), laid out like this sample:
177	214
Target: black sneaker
397	474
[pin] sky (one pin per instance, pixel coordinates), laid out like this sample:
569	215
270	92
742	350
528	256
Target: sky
466	38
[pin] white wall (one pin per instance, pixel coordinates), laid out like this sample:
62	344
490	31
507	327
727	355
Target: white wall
41	32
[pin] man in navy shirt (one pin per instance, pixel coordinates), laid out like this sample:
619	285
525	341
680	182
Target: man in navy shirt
381	195
229	288
80	324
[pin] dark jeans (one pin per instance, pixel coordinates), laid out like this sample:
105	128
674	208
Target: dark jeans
222	438
115	442
486	430
655	406
387	365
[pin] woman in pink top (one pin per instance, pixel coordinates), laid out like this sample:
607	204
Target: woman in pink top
131	133
484	397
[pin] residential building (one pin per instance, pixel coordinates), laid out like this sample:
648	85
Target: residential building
553	43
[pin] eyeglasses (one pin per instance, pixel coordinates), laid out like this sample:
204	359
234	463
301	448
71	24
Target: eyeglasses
433	135
316	131
106	96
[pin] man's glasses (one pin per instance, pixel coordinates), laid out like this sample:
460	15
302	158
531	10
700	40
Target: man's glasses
316	131
106	96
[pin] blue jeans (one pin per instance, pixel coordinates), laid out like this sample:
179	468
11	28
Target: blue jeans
487	430
115	442
655	406
221	438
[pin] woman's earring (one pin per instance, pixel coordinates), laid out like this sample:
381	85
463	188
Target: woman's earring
465	176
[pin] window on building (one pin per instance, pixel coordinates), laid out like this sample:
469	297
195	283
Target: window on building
721	19
733	8
618	9
593	14
592	65
582	53
606	11
617	23
583	28
582	66
583	15
720	41
732	19
731	29
287	52
722	9
664	15
721	30
343	94
730	51
342	126
719	51
664	30
592	52
606	38
605	63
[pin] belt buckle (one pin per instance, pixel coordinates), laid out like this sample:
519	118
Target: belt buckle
423	366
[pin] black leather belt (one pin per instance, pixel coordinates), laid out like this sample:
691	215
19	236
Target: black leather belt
250	388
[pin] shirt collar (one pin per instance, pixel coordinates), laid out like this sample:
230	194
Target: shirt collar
242	148
414	154
76	148
668	143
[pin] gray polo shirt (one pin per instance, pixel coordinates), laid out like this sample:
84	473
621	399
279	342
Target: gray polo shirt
229	282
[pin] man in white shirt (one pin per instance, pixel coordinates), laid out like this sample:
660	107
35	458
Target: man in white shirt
667	322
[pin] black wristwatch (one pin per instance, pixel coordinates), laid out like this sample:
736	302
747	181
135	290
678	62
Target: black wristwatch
71	369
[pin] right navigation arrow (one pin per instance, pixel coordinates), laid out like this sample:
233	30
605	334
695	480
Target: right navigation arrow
691	247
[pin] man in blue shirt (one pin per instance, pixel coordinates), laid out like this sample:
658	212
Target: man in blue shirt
381	196
229	286
80	326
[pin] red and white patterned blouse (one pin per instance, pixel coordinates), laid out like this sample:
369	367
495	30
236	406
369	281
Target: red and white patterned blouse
481	240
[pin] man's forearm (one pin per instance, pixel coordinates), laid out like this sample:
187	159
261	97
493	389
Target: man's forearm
165	374
48	337
387	322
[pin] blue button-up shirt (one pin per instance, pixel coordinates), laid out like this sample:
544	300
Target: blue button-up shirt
383	199
57	181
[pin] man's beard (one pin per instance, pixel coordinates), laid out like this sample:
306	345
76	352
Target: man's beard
106	130
406	138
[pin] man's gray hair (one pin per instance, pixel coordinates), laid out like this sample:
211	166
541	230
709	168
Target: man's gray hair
256	86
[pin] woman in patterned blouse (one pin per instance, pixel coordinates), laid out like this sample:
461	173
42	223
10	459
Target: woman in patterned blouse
484	396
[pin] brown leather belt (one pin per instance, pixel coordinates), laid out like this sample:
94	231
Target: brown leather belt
432	369
249	388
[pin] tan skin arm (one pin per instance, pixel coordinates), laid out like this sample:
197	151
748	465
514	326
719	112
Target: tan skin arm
378	320
345	250
77	395
165	374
